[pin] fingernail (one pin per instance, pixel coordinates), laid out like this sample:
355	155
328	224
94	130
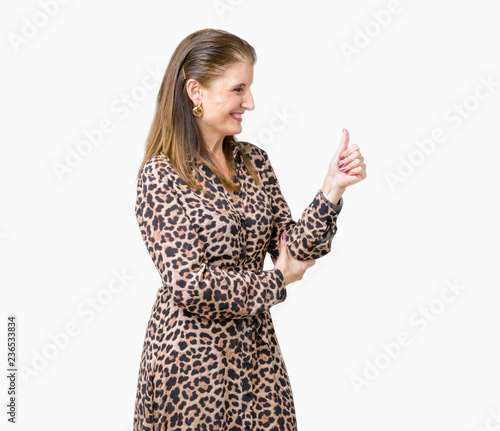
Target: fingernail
346	172
342	157
342	168
341	164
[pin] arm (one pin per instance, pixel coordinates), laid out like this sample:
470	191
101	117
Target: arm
177	253
311	236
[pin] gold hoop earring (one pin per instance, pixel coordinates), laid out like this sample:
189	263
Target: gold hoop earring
198	110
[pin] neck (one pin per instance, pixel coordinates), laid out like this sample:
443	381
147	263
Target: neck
215	147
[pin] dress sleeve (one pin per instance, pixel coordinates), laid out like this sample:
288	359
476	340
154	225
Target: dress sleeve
176	250
311	236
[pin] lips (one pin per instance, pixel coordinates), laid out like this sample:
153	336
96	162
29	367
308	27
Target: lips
236	116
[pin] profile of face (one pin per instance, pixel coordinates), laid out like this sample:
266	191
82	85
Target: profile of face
224	102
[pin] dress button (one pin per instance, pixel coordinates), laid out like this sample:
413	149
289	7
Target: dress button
244	249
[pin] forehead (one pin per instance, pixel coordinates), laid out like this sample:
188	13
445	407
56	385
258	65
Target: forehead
240	72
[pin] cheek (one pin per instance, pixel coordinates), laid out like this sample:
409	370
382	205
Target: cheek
223	105
219	115
211	110
218	109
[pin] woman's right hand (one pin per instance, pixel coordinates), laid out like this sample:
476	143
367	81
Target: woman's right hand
291	268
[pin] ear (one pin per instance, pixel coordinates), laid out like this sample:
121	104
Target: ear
194	92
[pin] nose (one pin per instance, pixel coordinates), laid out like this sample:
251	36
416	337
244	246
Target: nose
248	102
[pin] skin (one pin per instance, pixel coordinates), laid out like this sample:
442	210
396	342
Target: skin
346	168
230	94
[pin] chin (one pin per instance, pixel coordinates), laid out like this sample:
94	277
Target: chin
233	131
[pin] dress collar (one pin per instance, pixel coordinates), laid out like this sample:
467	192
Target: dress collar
236	151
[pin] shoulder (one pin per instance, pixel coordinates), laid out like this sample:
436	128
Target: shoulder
261	160
258	156
156	168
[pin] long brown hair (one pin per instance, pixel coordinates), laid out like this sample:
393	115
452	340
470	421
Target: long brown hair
203	56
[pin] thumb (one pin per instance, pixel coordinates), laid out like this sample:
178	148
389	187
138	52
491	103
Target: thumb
344	143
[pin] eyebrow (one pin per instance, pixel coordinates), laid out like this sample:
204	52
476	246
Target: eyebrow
239	85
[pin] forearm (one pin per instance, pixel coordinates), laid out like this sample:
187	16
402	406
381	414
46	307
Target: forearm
332	193
310	237
217	293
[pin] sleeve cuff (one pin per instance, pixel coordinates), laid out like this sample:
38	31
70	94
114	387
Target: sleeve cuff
336	207
317	227
277	286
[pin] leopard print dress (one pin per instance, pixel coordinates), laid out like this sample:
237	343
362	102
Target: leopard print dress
211	360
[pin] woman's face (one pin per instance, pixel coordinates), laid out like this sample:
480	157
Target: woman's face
225	102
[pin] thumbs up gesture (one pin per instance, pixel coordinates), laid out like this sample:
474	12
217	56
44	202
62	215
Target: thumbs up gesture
346	168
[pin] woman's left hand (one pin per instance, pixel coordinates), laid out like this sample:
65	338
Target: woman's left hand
347	166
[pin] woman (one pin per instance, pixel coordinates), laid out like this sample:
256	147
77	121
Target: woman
209	208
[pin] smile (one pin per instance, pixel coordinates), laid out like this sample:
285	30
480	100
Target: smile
236	116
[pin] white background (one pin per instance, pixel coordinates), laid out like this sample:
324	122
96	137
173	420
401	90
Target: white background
399	245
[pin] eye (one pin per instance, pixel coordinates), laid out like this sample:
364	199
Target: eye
238	90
